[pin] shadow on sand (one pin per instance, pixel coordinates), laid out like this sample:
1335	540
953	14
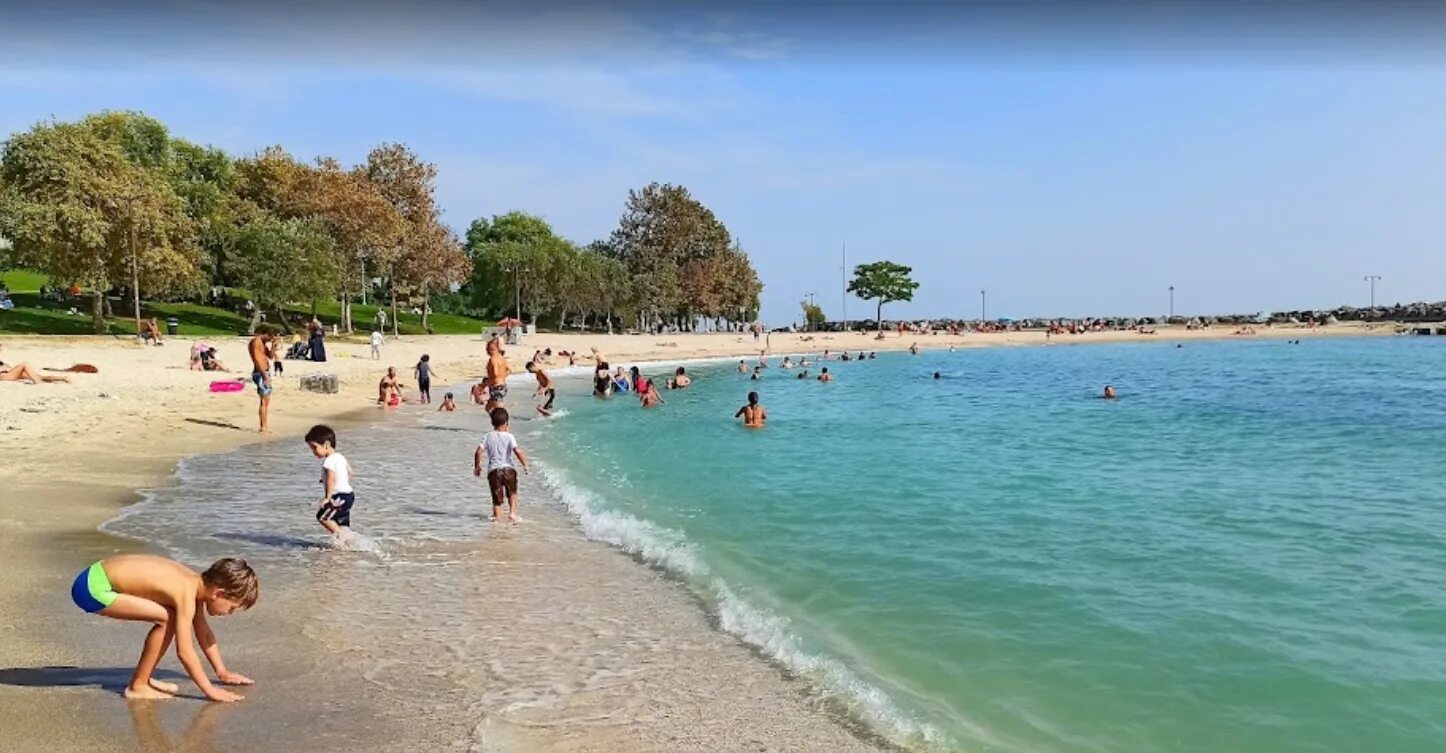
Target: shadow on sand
113	679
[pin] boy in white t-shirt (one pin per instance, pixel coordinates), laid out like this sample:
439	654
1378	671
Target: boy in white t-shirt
334	513
377	343
499	446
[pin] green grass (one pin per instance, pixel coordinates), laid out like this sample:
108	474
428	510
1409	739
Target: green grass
34	316
22	281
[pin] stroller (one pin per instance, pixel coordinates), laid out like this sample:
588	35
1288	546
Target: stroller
298	351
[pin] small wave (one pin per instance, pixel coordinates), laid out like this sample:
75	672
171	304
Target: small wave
768	632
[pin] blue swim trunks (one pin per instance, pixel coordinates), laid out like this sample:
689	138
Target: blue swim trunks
261	387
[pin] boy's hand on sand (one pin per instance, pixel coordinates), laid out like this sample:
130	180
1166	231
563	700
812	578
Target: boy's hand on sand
224	696
234	678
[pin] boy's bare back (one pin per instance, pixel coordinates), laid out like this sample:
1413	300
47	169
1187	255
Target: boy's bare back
163	581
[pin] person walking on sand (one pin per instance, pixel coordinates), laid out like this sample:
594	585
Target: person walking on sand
377	342
753	414
544	387
176	600
499	447
260	350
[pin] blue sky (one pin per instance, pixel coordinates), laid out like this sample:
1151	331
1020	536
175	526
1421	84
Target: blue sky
1077	173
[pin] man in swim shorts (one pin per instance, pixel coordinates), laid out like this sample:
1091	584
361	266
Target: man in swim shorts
497	373
260	349
176	600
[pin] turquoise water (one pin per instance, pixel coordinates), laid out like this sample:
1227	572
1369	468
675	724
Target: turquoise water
1243	553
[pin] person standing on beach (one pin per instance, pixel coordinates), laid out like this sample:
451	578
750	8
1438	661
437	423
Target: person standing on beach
544	387
260	349
176	600
377	342
499	447
337	497
424	373
753	414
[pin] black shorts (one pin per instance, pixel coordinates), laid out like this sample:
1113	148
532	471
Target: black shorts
551	395
339	511
425	386
503	483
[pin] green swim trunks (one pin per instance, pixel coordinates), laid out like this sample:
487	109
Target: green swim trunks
92	590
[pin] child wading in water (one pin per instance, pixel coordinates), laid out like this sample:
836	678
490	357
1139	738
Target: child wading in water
146	588
448	404
499	446
334	512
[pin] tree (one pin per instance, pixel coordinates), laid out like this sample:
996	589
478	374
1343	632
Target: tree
813	316
77	208
515	263
885	281
283	261
662	230
406	182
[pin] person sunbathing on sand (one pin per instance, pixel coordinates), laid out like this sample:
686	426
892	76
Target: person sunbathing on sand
24	372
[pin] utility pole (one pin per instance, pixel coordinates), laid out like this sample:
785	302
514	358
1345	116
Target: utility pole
135	264
983	309
1172	301
843	274
1372	279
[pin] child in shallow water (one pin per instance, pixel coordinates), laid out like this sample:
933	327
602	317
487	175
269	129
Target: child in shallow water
448	404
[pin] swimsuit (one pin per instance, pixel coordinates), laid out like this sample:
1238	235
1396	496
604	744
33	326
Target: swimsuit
259	377
503	483
92	590
339	511
551	395
497	392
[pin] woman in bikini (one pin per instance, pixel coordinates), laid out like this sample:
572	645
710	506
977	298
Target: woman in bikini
24	372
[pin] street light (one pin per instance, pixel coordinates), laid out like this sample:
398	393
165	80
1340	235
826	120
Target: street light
1172	301
1372	280
983	310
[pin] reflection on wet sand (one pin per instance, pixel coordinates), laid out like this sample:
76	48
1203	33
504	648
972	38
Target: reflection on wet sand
151	737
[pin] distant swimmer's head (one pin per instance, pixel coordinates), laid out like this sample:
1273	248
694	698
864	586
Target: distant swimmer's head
825	370
936	375
1109	392
753	398
231	584
322	440
499	417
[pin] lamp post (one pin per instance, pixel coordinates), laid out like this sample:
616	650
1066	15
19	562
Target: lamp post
1172	301
1372	279
983	309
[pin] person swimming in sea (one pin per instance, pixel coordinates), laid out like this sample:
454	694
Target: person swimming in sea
803	374
824	376
753	414
680	380
787	364
742	368
1109	392
757	373
936	375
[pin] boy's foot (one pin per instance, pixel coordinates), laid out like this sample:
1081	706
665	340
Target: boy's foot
165	687
513	517
147	693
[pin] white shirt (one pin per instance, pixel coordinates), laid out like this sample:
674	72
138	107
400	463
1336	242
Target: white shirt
341	473
376	339
499	446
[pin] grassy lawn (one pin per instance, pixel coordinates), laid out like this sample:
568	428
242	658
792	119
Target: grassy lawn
34	316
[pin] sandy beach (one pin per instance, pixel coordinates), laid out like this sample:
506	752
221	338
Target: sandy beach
76	453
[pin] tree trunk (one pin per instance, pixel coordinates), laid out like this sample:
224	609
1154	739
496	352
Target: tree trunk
281	319
255	321
880	316
135	279
396	330
97	312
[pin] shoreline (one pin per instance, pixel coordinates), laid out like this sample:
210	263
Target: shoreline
77	454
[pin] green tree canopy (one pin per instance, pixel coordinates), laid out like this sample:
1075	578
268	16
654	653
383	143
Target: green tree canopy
885	282
283	261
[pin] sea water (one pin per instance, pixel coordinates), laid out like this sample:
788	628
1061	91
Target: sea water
1244	552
